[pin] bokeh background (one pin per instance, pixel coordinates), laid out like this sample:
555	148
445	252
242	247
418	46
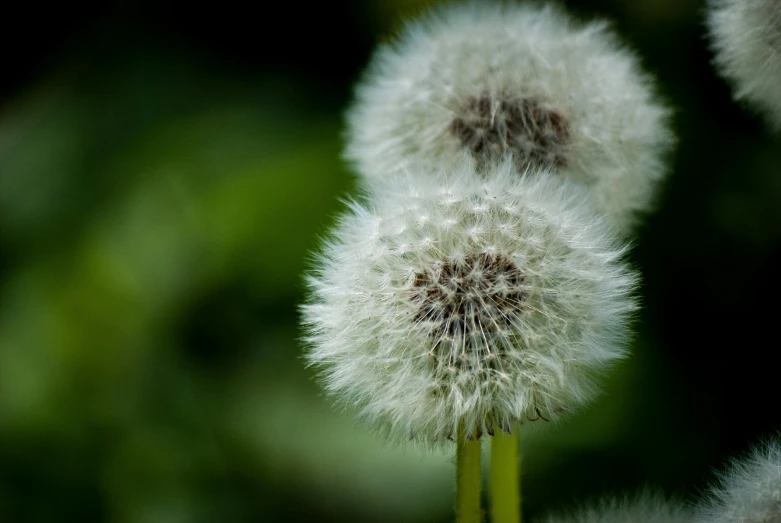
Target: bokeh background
165	173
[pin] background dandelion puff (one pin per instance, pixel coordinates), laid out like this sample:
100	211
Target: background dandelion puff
515	81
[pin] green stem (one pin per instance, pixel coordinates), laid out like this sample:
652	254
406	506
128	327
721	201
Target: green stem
504	478
467	480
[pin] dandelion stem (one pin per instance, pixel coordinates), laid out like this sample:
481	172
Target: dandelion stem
467	479
504	478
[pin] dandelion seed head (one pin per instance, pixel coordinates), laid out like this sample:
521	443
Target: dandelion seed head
520	82
646	507
457	300
746	39
749	491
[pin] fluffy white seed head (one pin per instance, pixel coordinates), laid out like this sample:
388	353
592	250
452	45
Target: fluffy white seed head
647	507
465	299
749	491
746	38
519	81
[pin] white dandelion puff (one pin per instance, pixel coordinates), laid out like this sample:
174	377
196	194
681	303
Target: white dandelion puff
647	507
746	38
749	491
463	299
519	81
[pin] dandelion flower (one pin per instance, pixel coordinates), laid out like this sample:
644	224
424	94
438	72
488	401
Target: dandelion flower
644	508
746	37
749	491
458	300
515	81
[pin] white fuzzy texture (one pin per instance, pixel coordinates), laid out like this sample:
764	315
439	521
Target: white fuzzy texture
617	133
746	37
749	491
645	508
466	299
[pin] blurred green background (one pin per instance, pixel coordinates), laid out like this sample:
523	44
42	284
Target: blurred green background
165	174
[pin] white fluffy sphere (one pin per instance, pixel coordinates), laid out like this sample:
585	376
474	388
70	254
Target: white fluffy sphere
644	508
461	299
749	491
519	81
746	37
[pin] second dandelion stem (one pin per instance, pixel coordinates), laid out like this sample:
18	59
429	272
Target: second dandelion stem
504	480
467	480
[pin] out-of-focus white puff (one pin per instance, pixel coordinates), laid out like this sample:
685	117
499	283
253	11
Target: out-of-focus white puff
520	81
746	37
749	490
466	300
644	508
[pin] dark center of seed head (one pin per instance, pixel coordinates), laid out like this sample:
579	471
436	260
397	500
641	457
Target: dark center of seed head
537	136
469	302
